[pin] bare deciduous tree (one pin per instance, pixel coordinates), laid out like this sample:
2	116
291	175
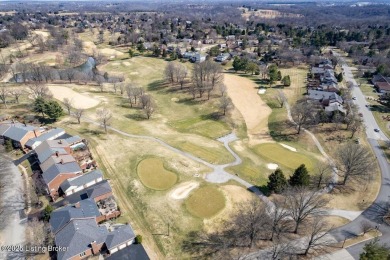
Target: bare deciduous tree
36	232
280	98
317	240
322	174
353	161
39	90
181	74
78	114
303	203
4	93
225	103
170	72
365	226
222	89
104	116
304	114
68	103
17	93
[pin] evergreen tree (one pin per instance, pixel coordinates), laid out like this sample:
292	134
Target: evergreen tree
300	177
47	211
279	75
273	73
276	181
340	77
53	110
286	81
39	106
131	53
8	145
374	251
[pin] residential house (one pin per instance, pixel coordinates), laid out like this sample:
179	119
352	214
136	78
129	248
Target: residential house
79	183
99	191
73	140
84	238
56	174
50	148
135	251
198	58
19	134
222	57
329	100
49	135
381	83
56	159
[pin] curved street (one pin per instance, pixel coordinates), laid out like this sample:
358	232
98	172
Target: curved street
373	214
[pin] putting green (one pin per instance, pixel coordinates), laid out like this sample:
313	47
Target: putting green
282	156
153	175
205	202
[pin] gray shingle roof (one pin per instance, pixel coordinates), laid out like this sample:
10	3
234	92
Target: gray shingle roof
62	216
49	147
17	131
81	180
319	95
133	252
73	139
50	135
56	169
78	235
119	236
65	158
4	128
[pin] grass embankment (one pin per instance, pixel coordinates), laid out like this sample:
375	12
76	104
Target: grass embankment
205	202
153	174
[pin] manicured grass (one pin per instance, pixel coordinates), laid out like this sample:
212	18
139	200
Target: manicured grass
208	128
282	156
205	202
153	175
251	172
211	155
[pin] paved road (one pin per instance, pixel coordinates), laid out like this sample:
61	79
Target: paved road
375	212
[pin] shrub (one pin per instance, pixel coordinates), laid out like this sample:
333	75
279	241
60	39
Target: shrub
138	239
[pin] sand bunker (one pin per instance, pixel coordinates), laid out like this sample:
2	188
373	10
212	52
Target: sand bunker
79	100
126	63
289	147
174	99
134	73
183	190
255	111
261	91
272	166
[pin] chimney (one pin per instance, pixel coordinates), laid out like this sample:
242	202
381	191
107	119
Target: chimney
95	248
35	133
77	205
57	154
60	141
62	161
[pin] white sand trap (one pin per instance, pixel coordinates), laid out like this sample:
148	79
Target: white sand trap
272	166
183	190
289	147
79	100
174	99
126	63
134	73
261	91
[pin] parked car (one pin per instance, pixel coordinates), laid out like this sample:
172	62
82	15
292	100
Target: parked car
376	130
354	98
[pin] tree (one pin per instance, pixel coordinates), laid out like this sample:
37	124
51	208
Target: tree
39	106
276	181
138	239
374	251
304	114
340	77
222	89
39	90
272	73
148	105
300	177
78	114
181	74
4	93
317	240
303	203
47	212
252	67
36	232
68	103
286	81
53	110
104	116
322	174
141	47
353	161
131	53
17	93
8	145
278	223
225	103
170	72
280	98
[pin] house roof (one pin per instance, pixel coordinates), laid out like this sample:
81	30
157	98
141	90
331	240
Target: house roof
50	135
321	95
135	251
51	173
4	128
383	86
62	216
49	147
81	180
17	131
64	158
91	192
380	78
73	139
119	236
77	237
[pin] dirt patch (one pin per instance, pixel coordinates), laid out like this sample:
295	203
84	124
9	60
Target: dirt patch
183	190
79	100
255	111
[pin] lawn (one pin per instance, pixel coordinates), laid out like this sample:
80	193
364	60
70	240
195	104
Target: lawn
153	174
250	171
284	157
205	202
208	128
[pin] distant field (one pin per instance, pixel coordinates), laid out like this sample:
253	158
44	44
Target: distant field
153	175
201	205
